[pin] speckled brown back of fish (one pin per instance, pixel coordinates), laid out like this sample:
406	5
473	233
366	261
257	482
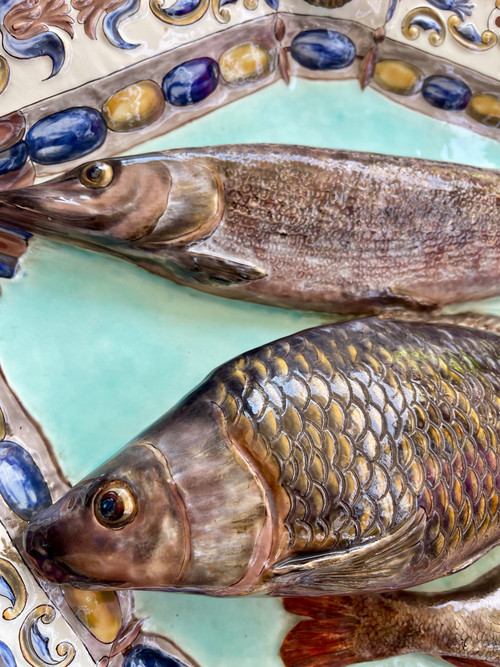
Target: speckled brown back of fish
358	230
294	226
358	456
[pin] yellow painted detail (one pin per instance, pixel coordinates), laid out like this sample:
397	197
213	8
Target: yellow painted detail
134	107
244	62
4	74
398	77
485	108
99	611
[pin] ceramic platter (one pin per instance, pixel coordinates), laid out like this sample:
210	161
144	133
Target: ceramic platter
94	349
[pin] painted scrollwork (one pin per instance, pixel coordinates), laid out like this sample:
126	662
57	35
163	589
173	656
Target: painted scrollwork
185	12
114	12
460	7
11	587
35	645
26	29
467	35
423	19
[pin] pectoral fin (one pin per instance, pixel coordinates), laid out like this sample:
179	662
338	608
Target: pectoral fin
378	565
211	268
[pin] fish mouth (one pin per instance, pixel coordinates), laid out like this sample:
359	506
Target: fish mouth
41	557
19	209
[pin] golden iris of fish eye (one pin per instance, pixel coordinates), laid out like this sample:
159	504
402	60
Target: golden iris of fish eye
127	498
97	175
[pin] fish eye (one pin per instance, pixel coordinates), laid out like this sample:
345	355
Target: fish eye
115	505
96	175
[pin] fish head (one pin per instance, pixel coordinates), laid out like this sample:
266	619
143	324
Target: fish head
120	201
123	526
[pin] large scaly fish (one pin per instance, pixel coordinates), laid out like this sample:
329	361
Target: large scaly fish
462	626
353	456
284	225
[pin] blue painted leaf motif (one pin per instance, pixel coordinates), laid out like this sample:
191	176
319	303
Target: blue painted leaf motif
21	483
26	31
40	644
6	657
149	656
427	23
181	8
6	592
391	9
461	8
47	44
274	4
470	32
112	22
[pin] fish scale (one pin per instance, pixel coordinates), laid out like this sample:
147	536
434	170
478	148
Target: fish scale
358	456
376	420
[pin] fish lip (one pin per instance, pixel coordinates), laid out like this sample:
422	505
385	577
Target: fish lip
37	552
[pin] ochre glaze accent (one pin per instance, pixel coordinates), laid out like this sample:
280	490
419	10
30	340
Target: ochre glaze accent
99	611
134	107
244	62
485	108
398	77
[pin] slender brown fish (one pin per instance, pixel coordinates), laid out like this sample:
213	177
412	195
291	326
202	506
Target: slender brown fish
356	456
284	225
462	626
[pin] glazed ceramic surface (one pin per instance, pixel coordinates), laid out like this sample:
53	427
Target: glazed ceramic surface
97	348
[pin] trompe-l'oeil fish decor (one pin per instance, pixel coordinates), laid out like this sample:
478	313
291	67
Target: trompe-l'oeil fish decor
359	456
283	225
42	625
462	626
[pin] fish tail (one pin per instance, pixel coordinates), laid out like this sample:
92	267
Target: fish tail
329	638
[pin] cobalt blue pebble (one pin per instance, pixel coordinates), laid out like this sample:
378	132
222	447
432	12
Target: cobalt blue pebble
149	656
21	483
66	135
13	158
191	81
323	49
446	93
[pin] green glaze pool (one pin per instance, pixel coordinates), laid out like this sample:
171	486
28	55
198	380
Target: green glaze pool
97	349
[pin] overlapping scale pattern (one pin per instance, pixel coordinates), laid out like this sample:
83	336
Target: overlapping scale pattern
365	422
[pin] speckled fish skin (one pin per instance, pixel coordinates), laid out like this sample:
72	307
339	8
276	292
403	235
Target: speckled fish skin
356	456
462	626
292	226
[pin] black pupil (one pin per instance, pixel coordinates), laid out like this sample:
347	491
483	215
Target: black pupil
111	507
94	172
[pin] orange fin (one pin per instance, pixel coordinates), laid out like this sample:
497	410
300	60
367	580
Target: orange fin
466	662
329	640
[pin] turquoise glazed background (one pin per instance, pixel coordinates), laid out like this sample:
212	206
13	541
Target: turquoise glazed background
97	348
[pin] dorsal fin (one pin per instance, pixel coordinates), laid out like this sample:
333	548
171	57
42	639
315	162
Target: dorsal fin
481	321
